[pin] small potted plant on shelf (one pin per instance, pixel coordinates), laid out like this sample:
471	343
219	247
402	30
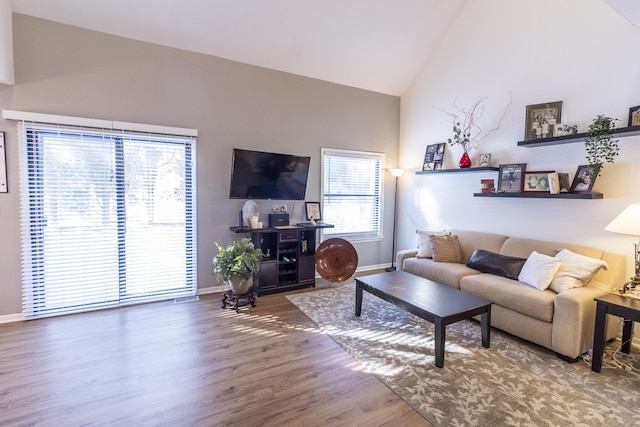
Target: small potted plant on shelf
599	143
236	264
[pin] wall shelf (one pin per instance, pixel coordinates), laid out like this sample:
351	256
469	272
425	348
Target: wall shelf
478	169
533	195
578	137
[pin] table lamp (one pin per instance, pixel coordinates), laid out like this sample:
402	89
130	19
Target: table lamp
396	172
628	222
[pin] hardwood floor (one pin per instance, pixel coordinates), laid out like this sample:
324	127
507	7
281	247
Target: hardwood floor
188	364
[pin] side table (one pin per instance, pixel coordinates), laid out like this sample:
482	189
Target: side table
626	307
235	301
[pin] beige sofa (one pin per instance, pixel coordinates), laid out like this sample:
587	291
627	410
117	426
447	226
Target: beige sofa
562	322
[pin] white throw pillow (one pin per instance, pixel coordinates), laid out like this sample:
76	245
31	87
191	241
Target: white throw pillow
424	246
576	271
538	270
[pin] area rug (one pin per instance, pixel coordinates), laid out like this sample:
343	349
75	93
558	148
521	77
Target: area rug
512	383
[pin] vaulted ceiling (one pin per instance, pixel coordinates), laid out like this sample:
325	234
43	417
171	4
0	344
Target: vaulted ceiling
378	45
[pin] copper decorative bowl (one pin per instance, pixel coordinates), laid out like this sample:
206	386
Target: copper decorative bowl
336	260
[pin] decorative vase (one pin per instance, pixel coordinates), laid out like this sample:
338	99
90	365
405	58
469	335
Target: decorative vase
465	161
239	285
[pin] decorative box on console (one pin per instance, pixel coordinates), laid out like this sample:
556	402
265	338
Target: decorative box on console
279	219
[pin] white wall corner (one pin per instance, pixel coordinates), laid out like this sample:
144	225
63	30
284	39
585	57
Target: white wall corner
6	44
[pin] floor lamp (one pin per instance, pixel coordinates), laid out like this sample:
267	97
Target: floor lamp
628	222
396	172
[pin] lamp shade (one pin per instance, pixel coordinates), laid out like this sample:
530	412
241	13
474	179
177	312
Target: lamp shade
396	171
628	222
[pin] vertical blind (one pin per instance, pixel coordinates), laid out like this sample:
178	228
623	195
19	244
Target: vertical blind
352	193
107	216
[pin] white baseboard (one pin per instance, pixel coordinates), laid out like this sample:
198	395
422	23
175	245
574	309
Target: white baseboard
10	318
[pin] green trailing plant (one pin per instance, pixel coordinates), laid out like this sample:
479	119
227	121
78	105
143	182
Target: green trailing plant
599	143
239	258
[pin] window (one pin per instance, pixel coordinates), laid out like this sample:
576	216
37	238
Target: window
108	218
352	193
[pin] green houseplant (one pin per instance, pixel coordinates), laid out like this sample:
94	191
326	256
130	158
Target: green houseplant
236	264
599	143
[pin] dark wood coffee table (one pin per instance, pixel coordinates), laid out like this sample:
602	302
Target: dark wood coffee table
429	300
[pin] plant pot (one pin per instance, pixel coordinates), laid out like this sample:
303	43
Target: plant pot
465	161
239	285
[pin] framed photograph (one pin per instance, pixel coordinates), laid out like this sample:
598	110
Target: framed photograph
540	120
485	159
536	181
313	211
4	188
562	129
585	178
433	157
563	178
634	116
510	178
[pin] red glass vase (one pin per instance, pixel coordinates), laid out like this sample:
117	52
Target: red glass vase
465	161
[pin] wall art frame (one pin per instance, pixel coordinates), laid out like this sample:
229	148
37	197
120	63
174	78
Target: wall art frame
312	210
510	177
433	157
634	116
584	179
540	119
536	181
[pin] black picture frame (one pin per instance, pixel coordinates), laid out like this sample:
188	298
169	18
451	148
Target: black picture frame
433	157
584	179
510	177
312	209
634	116
4	188
541	118
536	181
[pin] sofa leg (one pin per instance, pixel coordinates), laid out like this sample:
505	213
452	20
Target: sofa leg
567	358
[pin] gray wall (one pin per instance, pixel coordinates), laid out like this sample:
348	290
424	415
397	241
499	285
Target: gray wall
70	71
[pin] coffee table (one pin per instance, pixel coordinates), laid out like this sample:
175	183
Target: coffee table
429	300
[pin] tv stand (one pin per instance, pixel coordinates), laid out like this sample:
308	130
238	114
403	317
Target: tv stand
289	261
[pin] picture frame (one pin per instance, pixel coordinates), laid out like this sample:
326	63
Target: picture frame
510	177
536	182
4	188
540	119
485	159
584	179
569	128
312	210
565	184
433	157
634	116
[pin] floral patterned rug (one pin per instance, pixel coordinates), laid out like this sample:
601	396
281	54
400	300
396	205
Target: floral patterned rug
513	383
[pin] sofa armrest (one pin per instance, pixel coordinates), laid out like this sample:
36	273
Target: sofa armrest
404	254
574	315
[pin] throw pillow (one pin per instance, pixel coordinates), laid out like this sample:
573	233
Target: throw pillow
576	271
445	248
498	264
424	246
539	270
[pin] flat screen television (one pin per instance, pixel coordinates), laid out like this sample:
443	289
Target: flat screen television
262	175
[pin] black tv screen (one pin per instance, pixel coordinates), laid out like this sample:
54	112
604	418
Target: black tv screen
262	175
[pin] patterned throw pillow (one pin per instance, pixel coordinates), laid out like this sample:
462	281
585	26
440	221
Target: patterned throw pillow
445	248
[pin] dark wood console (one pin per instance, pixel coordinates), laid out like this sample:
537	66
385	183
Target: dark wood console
289	261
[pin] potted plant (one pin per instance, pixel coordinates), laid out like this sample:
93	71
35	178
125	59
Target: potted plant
599	143
236	264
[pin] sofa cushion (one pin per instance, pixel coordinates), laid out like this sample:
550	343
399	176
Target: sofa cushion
445	248
472	240
424	245
511	294
539	270
575	271
447	273
491	262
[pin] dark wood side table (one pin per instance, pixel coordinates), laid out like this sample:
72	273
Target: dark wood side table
626	307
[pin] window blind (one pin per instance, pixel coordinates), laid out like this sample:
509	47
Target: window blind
107	217
351	193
